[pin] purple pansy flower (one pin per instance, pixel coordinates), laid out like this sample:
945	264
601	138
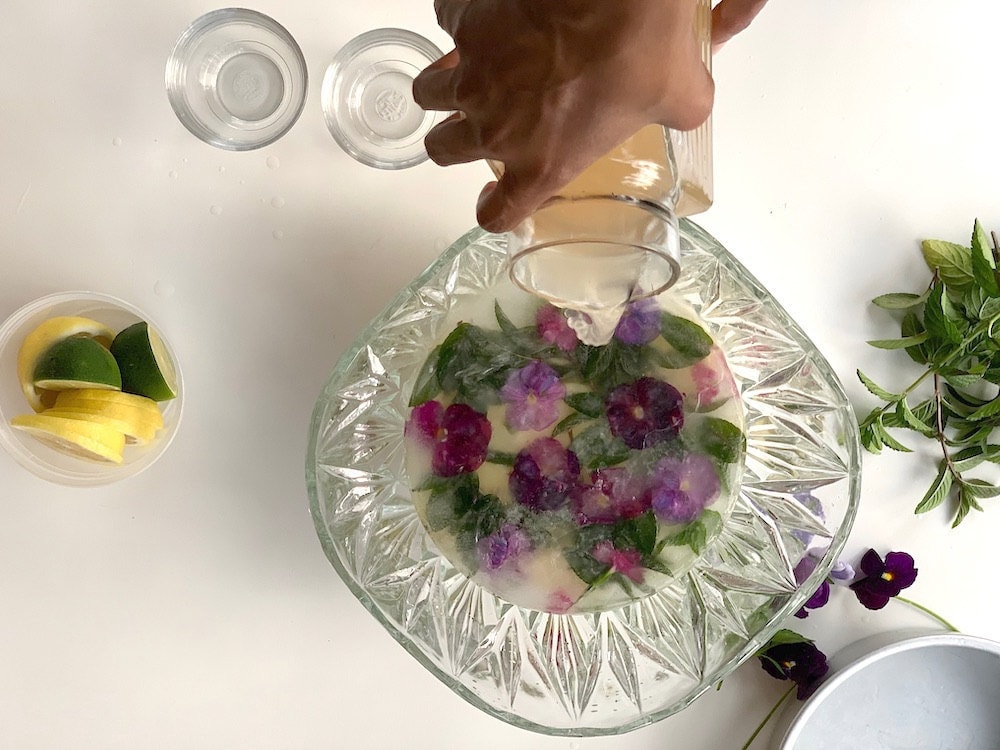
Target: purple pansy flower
644	412
820	596
682	488
503	547
613	495
883	579
458	436
626	562
640	322
801	662
532	395
553	327
545	475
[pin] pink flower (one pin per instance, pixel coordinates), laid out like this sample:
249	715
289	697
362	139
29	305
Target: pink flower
627	562
532	395
614	495
713	380
553	327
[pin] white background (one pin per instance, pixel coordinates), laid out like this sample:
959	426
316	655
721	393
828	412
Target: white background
192	606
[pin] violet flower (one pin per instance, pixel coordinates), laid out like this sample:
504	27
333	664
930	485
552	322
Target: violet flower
644	412
613	495
801	662
883	579
682	488
626	562
640	322
532	395
553	327
820	596
503	547
545	475
458	436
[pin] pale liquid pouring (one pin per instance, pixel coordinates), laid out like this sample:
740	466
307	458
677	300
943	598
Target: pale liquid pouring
611	237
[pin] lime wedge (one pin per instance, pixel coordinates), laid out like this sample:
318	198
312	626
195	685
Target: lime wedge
77	362
75	437
146	368
39	341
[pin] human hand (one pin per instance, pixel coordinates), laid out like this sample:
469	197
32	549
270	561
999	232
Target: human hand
547	87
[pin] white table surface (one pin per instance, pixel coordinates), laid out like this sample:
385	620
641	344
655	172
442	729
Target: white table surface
191	606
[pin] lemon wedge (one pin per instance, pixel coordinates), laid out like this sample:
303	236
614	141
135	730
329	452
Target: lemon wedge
136	426
97	442
115	404
41	339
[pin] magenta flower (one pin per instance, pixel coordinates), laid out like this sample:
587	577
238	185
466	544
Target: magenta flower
640	322
613	495
626	562
553	327
683	488
713	380
799	661
644	412
545	475
503	547
458	436
883	579
532	395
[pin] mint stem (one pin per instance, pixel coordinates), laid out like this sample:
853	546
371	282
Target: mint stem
770	715
928	611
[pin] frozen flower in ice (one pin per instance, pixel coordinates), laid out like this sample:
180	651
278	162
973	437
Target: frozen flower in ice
626	562
644	412
713	380
883	579
559	602
553	327
613	495
640	322
503	547
683	488
796	659
532	395
545	475
458	436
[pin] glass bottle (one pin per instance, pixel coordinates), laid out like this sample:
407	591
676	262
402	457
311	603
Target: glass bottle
610	236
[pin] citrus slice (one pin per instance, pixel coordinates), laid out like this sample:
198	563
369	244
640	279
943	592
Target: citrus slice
116	404
136	427
39	341
77	362
146	367
73	436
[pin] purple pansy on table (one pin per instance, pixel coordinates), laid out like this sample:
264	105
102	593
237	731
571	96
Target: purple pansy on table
791	657
883	579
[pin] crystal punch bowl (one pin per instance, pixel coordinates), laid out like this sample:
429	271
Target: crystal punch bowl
600	670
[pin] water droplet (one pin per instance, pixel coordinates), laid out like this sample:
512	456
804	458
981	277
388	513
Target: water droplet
272	162
278	234
277	201
172	174
215	210
222	170
116	141
185	160
163	289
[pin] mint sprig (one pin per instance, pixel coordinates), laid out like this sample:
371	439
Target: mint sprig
953	330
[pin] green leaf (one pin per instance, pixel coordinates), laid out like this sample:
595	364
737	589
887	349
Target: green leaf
426	385
911	420
637	533
597	448
613	364
673	360
888	440
937	493
989	409
939	316
569	422
912	326
952	262
898	300
686	336
502	458
980	488
720	439
589	403
877	390
785	637
505	323
983	263
903	343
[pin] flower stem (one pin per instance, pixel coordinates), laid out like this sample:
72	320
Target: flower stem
928	611
770	715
